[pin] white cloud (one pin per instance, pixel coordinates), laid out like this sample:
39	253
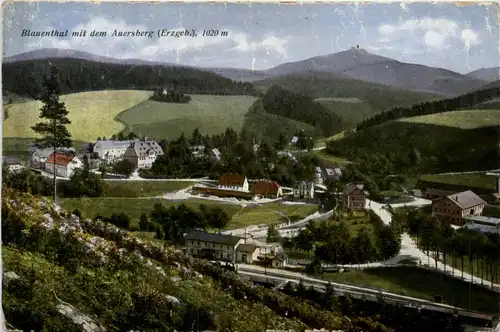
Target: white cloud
469	37
153	48
432	33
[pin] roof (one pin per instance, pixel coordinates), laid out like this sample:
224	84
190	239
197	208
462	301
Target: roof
143	148
329	171
353	186
213	238
248	248
265	187
230	179
484	219
60	159
318	169
216	152
466	199
10	161
295	139
43	153
110	144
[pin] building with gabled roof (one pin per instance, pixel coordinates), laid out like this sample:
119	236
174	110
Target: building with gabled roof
215	154
294	140
453	208
269	189
13	164
304	189
63	164
231	181
355	196
110	150
143	153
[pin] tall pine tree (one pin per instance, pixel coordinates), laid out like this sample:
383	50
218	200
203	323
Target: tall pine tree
53	129
54	116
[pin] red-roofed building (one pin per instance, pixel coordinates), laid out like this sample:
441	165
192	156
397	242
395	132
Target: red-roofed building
269	189
65	164
235	182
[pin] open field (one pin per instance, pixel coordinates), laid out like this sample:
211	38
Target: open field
478	180
468	119
330	159
211	114
350	112
142	188
420	283
91	113
254	215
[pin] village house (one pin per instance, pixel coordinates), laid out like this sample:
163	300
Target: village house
354	196
197	150
220	247
453	208
304	190
64	164
482	224
267	189
143	153
319	175
333	174
274	260
38	156
235	182
13	164
110	150
215	154
294	140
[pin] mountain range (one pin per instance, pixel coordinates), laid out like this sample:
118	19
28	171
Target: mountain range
355	63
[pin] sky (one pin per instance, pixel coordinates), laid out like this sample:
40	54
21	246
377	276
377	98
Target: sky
261	36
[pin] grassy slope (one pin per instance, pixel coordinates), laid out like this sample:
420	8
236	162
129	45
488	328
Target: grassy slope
91	113
479	180
211	114
142	188
465	149
112	294
464	119
351	113
420	283
135	207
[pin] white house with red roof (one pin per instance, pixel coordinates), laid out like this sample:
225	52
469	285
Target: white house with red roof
65	164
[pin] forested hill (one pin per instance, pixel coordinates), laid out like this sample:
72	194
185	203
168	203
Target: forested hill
465	101
295	106
78	75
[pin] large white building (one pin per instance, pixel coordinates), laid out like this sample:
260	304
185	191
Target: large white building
65	164
142	154
111	150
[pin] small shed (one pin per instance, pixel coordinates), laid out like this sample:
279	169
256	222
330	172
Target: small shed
246	253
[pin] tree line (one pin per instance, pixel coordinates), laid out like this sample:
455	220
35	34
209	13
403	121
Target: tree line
170	96
238	155
332	241
463	248
302	108
431	107
25	78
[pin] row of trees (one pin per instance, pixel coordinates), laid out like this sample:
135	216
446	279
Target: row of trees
479	251
171	96
78	75
332	241
461	102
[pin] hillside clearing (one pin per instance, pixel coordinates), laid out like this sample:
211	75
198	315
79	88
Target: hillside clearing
211	114
350	112
465	119
91	113
477	180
